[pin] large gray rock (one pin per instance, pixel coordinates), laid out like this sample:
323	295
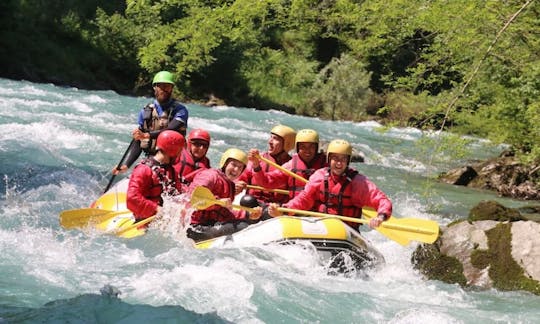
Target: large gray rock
486	253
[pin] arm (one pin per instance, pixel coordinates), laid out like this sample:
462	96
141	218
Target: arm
139	186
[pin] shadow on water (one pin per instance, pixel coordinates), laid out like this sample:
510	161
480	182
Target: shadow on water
103	308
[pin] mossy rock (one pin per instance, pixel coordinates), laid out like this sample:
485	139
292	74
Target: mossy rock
504	270
492	210
427	258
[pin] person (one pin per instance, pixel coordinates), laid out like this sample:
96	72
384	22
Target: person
218	220
154	176
340	190
304	163
281	141
194	157
163	113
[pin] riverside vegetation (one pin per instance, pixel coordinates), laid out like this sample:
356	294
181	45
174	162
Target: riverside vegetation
469	66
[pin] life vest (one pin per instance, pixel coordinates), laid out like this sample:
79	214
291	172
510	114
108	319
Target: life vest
153	121
266	196
336	197
185	165
163	180
305	171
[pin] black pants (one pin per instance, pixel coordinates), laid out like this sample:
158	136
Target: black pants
206	232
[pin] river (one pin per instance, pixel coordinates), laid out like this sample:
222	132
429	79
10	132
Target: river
56	149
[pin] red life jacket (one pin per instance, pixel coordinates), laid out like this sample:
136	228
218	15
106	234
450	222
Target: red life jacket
336	197
305	171
185	165
162	181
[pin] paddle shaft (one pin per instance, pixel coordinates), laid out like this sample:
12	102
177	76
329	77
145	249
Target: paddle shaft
135	225
282	169
119	165
279	191
407	228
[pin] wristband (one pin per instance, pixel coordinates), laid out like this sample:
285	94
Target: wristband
257	169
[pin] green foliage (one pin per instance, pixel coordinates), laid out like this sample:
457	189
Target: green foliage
429	64
341	90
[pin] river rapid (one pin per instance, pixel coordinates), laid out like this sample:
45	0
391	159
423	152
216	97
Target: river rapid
56	149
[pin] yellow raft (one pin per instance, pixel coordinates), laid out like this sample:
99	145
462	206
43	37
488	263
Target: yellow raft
333	239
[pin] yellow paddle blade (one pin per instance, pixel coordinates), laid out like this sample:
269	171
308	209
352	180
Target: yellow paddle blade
202	198
80	218
403	230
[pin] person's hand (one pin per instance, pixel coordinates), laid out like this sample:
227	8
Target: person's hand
226	202
239	187
377	221
116	171
256	213
140	135
273	210
253	156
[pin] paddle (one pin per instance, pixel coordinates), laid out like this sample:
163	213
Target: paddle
280	191
134	226
401	230
282	169
119	165
202	198
80	218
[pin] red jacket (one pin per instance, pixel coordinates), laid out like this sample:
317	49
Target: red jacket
221	187
340	195
267	197
276	178
146	186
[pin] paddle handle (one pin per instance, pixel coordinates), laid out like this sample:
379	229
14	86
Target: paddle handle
282	169
279	191
119	165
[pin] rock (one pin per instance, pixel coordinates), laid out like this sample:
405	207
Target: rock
460	176
505	174
492	210
214	101
484	254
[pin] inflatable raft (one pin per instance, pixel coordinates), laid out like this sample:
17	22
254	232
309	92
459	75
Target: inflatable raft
338	244
335	241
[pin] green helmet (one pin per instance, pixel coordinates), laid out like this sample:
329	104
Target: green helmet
163	77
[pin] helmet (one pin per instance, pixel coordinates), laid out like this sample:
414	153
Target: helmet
199	134
307	136
288	134
339	146
163	77
170	143
233	153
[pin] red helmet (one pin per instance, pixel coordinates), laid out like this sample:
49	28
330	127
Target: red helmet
170	143
198	134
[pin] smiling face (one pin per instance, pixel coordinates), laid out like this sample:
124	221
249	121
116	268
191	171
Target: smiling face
163	92
307	151
275	144
234	169
338	163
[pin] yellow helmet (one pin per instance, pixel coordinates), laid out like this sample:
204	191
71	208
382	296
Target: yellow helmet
288	134
339	146
233	153
307	136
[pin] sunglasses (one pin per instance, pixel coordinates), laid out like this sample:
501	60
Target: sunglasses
199	144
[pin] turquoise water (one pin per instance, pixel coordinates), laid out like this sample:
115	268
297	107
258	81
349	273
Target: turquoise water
57	145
